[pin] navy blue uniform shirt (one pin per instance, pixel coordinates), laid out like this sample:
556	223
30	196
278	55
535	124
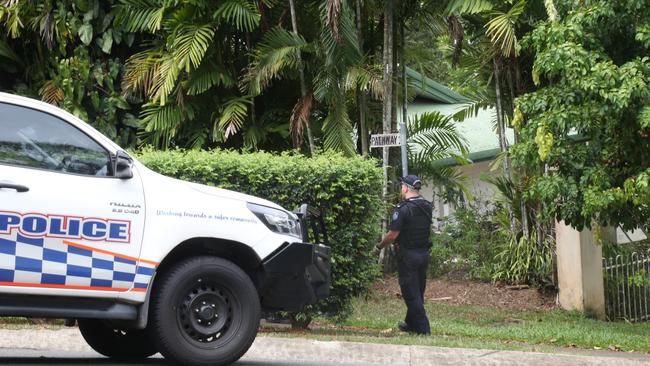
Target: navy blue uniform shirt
412	218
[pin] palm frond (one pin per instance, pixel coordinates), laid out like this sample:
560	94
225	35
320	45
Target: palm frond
161	123
449	177
243	14
434	22
464	7
140	72
343	51
300	118
9	3
471	110
233	115
141	15
190	45
51	93
333	14
269	3
7	53
433	139
431	132
368	78
207	76
501	29
509	192
326	84
337	127
10	16
165	79
276	52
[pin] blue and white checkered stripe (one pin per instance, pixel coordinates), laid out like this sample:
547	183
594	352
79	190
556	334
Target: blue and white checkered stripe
37	261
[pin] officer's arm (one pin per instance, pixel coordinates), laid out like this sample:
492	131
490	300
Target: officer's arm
388	238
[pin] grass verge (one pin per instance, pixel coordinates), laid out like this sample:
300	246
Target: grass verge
374	320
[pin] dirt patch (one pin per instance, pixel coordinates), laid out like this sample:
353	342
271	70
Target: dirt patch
450	291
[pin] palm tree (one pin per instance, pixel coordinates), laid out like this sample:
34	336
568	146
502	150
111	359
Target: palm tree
300	116
502	22
499	22
185	69
333	63
434	138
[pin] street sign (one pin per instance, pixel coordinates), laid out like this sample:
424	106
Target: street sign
385	140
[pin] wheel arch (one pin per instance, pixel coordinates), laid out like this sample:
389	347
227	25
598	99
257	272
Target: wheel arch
241	254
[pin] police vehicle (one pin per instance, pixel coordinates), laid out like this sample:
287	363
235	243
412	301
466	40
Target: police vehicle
143	263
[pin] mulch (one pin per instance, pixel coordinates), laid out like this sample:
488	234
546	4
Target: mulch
466	292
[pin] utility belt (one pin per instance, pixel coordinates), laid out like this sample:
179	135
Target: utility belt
419	247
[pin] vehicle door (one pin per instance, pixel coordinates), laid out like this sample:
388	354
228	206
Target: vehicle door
68	225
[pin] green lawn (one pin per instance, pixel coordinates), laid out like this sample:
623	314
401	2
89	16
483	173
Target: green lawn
375	318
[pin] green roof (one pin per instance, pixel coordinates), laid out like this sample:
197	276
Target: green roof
477	130
429	89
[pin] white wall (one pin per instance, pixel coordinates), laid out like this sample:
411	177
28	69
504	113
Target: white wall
481	191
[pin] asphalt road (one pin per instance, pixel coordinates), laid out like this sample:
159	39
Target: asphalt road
43	347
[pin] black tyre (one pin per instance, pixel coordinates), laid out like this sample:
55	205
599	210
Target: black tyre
114	342
204	311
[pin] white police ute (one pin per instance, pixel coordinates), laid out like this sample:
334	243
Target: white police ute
143	262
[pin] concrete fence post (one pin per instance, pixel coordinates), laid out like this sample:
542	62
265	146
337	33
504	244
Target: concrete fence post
580	269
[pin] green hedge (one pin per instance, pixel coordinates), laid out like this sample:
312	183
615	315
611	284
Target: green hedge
347	190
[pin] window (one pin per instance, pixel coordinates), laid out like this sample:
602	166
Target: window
36	139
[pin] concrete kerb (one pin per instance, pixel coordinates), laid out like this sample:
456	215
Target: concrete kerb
383	354
296	350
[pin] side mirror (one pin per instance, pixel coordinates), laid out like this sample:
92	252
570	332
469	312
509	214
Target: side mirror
303	215
123	165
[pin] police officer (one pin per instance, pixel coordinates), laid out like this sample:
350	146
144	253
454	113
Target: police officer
411	226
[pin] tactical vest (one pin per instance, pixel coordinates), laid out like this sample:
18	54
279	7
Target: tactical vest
416	232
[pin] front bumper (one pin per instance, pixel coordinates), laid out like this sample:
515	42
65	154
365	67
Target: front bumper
297	275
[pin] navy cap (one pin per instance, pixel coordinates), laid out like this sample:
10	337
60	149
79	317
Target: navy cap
412	181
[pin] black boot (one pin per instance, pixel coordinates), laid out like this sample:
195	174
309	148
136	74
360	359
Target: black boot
403	327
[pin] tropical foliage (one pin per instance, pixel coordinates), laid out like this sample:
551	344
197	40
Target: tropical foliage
239	73
584	130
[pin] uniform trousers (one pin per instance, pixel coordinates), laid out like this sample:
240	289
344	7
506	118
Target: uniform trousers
412	267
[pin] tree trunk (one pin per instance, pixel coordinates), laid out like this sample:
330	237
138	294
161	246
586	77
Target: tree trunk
501	130
394	160
361	95
395	55
525	225
405	101
301	73
388	93
388	80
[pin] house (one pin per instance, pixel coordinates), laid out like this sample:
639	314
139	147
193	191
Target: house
482	140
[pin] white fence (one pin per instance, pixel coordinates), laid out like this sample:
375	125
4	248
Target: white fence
627	287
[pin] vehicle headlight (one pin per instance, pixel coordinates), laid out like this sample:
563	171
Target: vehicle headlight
279	221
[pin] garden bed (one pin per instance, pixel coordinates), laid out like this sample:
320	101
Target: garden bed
450	290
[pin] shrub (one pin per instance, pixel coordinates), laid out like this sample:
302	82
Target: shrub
346	190
466	244
483	245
